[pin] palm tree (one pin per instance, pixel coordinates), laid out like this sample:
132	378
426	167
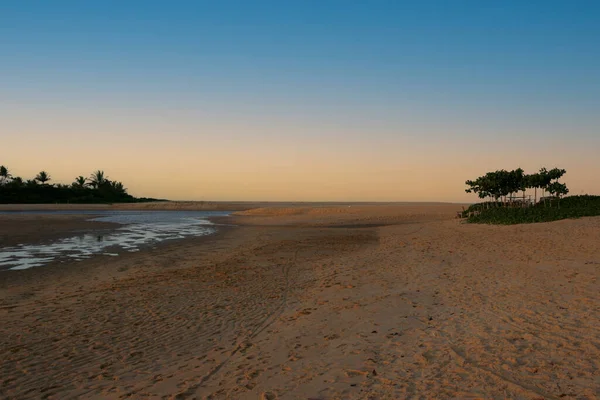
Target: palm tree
43	177
118	187
79	181
4	174
97	179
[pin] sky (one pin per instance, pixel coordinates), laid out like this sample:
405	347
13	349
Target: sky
300	100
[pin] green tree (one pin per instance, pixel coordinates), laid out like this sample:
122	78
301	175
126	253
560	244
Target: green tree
479	187
17	182
118	187
544	181
80	182
4	175
97	179
556	173
517	181
37	190
490	185
555	188
534	181
500	184
43	177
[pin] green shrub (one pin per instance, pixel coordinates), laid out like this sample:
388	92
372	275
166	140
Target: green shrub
556	209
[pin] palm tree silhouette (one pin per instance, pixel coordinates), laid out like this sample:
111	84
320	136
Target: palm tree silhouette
97	179
118	187
43	177
4	174
80	181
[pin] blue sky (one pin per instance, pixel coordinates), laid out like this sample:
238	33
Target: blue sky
476	72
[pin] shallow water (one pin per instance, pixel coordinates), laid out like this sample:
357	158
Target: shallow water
139	229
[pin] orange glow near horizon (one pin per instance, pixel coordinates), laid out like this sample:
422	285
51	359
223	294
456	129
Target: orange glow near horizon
184	158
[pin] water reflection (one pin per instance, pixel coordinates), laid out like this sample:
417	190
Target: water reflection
140	228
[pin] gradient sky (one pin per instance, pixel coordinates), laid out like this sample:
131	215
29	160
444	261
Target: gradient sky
300	100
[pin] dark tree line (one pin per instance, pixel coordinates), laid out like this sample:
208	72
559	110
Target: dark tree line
499	185
95	189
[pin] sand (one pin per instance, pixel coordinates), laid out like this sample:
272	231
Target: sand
36	228
361	302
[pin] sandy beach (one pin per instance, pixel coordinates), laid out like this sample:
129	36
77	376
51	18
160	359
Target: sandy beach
305	302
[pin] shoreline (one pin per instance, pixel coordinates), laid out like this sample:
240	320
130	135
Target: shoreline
201	205
100	265
40	228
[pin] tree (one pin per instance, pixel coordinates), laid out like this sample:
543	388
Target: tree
544	181
479	187
118	187
534	181
558	189
80	182
17	181
517	181
97	179
556	173
492	184
43	177
4	175
546	177
38	190
500	184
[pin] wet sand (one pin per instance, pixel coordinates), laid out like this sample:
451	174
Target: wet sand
361	302
37	228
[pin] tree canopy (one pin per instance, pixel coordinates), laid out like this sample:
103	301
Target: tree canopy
502	183
43	177
97	189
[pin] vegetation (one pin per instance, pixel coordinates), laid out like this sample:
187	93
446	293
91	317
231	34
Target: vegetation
571	207
95	189
43	177
500	184
502	205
